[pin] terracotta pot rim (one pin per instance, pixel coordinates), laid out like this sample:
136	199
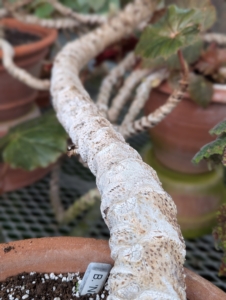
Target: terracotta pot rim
48	36
219	94
80	251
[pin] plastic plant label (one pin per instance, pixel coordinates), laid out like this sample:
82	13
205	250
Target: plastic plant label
94	278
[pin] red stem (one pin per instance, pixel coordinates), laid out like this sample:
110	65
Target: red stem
183	63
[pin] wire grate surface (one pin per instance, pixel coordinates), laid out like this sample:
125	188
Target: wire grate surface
27	213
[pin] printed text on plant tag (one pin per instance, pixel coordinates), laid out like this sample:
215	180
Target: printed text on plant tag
94	278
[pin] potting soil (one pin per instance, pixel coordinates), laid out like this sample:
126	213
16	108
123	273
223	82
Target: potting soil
17	38
31	286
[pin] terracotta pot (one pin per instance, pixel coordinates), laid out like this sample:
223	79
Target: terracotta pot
16	99
198	197
183	132
70	254
13	179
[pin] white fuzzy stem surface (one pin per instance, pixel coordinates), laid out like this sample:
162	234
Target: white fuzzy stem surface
125	92
218	38
71	18
146	241
58	23
157	116
91	19
143	93
110	81
3	12
19	73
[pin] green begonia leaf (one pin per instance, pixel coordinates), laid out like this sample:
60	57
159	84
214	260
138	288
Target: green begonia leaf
73	4
212	151
176	29
191	54
35	143
219	128
219	235
205	11
97	4
44	10
200	90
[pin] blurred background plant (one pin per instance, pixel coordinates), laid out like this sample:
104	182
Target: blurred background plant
43	9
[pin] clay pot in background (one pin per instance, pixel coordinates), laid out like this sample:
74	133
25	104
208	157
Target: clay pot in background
13	179
16	99
197	196
184	131
70	254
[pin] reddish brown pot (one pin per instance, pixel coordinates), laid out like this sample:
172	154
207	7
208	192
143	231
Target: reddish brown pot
16	99
183	132
70	254
13	179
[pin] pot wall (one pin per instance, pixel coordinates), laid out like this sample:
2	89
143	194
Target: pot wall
198	197
69	254
16	99
58	255
13	179
183	132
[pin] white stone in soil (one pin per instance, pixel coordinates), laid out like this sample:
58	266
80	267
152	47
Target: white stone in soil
70	277
64	279
25	296
77	295
52	275
46	276
54	288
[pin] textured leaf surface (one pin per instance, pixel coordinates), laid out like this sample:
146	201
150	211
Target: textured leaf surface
200	89
219	128
205	11
213	150
176	29
219	235
191	54
97	4
36	143
81	6
44	10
